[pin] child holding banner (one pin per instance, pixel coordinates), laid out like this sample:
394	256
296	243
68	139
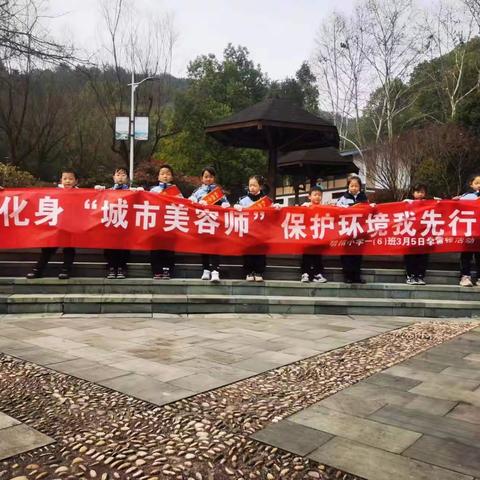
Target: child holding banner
312	264
68	179
163	261
254	265
117	259
466	257
352	264
209	193
416	264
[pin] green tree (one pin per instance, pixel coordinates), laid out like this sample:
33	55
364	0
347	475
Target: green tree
448	87
217	89
301	90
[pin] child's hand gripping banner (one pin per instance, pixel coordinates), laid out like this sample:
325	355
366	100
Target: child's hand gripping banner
139	220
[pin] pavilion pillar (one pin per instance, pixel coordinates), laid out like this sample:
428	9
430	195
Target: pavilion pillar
272	172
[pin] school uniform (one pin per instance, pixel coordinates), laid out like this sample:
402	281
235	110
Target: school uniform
416	264
117	259
467	257
352	264
253	263
209	262
162	261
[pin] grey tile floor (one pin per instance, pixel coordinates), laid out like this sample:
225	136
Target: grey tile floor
419	419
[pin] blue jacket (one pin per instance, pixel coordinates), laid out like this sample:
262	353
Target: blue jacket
470	195
123	186
250	199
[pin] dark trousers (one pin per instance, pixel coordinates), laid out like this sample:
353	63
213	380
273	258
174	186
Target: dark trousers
416	265
47	253
312	264
160	259
116	258
466	263
210	262
351	265
254	263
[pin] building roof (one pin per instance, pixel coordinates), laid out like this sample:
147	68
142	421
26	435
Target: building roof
321	162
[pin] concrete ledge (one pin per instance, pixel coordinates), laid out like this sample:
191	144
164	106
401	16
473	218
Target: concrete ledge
330	298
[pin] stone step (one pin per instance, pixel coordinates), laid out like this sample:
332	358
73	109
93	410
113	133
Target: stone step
150	303
232	271
129	286
444	261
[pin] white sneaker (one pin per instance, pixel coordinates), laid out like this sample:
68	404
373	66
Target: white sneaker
319	278
410	280
250	277
305	278
215	276
420	281
466	281
206	275
258	278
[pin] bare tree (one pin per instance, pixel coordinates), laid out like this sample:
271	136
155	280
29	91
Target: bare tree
474	7
451	27
144	46
22	35
442	156
29	122
339	64
394	44
390	167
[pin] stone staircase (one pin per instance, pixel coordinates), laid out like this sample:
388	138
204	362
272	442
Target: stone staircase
385	292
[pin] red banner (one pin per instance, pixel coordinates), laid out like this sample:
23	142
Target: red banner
139	220
172	190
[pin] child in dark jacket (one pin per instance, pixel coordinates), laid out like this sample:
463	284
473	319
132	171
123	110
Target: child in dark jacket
163	261
68	179
312	264
416	264
117	259
352	264
473	193
254	265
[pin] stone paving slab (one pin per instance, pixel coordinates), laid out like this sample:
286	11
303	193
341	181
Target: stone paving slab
16	437
433	403
291	436
442	427
446	453
179	353
465	412
386	437
376	464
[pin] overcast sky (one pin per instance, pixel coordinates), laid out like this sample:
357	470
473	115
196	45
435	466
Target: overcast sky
278	33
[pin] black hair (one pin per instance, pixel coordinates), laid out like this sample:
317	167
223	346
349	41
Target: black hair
166	165
210	170
69	170
120	169
262	182
316	188
418	187
259	178
354	177
473	177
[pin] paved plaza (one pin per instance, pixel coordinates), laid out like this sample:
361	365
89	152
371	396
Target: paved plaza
404	413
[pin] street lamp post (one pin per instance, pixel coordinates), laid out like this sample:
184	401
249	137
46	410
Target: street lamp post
134	85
